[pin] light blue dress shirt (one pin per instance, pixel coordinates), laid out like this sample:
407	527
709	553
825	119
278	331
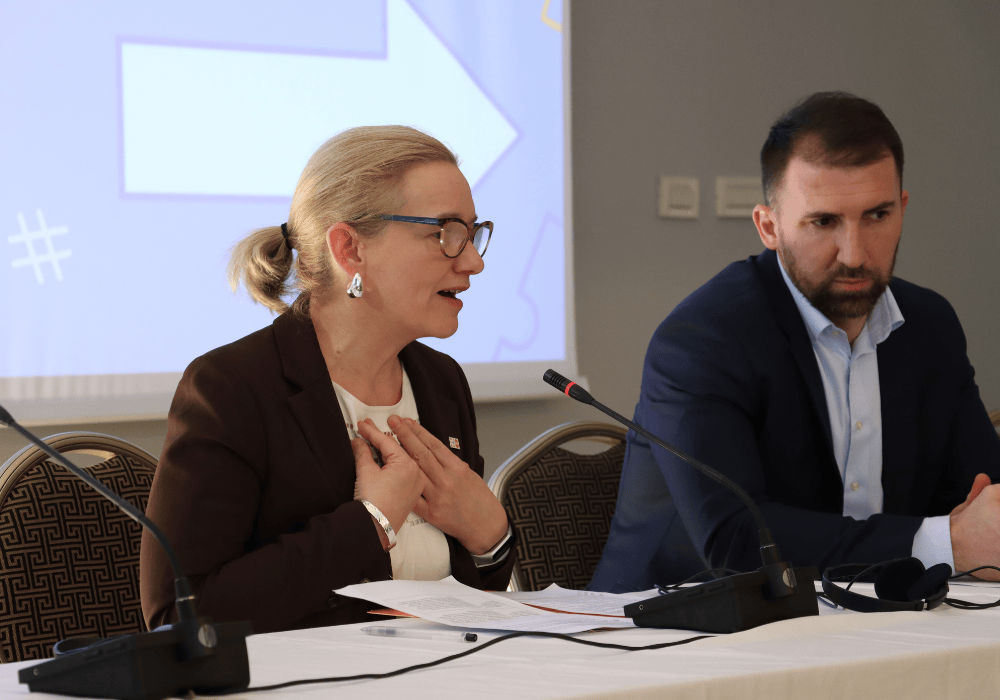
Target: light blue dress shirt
853	399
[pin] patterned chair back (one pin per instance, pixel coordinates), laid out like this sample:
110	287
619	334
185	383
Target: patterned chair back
561	503
69	559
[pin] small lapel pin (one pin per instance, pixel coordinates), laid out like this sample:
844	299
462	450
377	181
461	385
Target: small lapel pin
453	443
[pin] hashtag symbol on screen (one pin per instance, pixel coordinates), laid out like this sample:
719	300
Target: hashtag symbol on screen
29	238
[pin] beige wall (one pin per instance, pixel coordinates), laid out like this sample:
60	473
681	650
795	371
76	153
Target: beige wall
690	88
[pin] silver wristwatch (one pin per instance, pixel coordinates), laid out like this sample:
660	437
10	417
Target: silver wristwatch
499	552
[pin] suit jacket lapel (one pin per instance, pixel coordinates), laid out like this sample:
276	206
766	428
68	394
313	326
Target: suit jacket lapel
899	401
438	412
789	320
314	405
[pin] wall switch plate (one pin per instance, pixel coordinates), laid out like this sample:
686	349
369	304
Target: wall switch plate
679	197
735	197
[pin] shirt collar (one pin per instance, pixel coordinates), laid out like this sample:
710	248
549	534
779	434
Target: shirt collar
883	320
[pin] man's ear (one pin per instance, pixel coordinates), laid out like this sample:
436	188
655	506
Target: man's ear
764	218
342	241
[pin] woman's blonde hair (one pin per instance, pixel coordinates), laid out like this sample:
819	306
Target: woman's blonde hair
354	177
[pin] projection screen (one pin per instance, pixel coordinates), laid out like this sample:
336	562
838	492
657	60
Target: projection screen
142	140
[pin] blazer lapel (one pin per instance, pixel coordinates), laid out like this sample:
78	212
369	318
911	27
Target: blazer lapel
314	406
900	398
789	320
438	412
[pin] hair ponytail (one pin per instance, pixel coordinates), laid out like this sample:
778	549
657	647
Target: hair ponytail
262	263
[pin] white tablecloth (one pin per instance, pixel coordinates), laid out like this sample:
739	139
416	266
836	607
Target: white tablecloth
945	653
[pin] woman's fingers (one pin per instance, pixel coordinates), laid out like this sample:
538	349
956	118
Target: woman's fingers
426	450
396	486
456	500
362	454
448	494
377	439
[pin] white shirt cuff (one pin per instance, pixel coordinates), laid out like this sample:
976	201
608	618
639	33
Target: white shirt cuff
932	543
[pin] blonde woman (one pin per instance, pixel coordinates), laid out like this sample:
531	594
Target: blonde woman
331	448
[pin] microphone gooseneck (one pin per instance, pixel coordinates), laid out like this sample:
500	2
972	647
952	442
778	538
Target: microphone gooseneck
191	654
185	604
769	552
780	575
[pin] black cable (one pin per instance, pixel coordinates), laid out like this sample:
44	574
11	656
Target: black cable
857	576
407	669
955	603
968	605
715	575
960	574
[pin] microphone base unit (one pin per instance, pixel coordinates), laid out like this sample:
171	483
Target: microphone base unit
147	666
731	604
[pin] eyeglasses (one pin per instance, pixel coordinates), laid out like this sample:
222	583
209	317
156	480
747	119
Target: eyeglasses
454	233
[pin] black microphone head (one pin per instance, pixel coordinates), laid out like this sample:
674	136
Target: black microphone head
555	379
567	386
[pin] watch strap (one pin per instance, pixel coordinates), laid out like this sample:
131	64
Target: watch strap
498	552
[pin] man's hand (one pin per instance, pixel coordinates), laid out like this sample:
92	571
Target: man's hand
455	499
975	529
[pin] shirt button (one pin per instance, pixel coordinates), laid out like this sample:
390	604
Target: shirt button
855	486
858	425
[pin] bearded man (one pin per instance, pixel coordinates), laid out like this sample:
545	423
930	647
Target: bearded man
840	398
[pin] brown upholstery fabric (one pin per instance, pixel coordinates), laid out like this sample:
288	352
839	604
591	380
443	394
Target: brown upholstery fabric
562	506
69	559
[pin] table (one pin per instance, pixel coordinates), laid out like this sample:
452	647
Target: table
944	653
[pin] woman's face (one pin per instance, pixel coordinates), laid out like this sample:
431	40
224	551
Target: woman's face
412	284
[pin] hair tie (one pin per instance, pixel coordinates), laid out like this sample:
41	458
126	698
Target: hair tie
284	234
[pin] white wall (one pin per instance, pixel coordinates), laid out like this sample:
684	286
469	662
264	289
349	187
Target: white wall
690	88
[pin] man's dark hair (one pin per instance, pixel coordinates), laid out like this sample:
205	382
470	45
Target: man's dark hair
852	132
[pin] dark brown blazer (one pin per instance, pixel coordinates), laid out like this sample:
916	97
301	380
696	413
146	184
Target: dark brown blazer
255	487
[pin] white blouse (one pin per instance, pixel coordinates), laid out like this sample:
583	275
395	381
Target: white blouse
421	552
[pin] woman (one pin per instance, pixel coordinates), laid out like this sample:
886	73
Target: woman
270	501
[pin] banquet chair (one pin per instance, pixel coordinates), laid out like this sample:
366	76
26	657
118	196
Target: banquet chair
69	559
560	499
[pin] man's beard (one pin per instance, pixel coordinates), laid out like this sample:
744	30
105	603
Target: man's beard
840	304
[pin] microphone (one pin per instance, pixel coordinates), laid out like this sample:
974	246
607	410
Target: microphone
730	604
192	654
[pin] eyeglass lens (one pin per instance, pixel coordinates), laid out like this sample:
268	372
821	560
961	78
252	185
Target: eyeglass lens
454	235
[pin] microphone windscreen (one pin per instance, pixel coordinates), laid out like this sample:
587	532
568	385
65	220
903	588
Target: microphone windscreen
568	387
555	379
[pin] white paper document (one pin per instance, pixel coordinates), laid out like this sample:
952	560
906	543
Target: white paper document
587	602
449	602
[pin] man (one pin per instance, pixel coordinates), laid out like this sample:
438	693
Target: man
843	402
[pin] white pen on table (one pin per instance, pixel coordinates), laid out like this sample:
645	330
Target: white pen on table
420	634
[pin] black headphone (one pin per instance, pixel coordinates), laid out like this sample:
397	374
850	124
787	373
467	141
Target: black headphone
900	584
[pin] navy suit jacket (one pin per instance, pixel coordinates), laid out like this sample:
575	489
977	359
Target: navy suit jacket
731	378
